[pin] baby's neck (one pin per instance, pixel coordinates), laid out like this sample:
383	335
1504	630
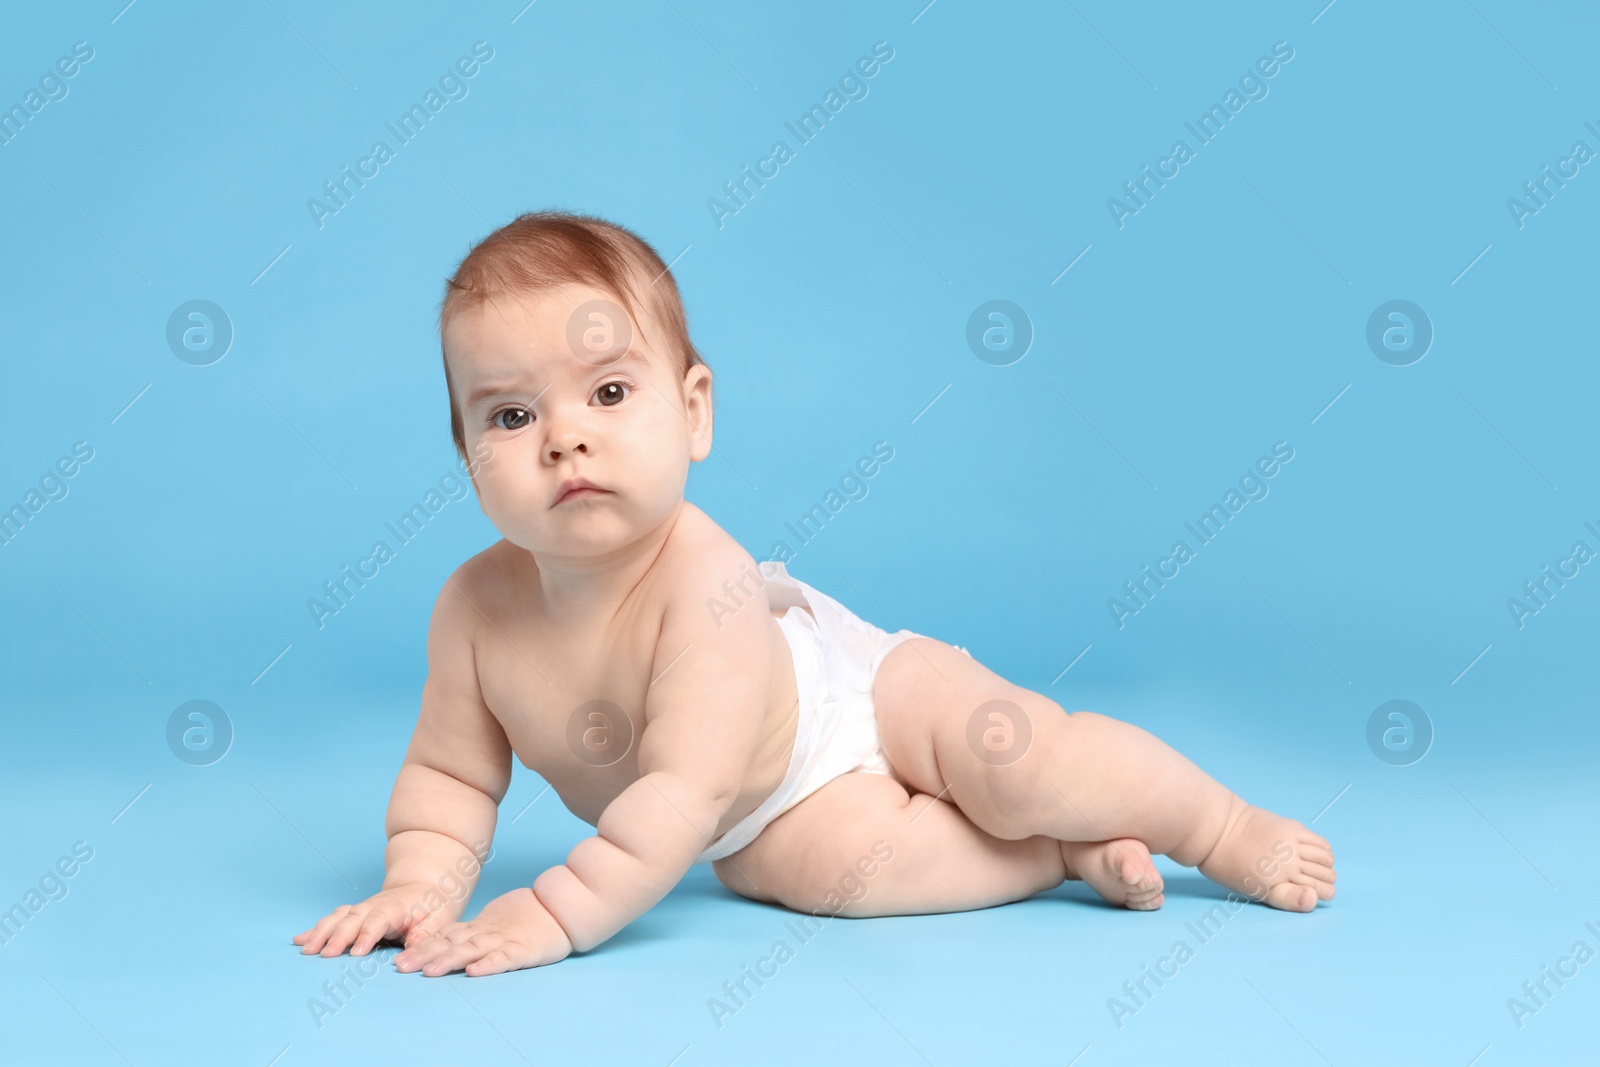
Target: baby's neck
571	589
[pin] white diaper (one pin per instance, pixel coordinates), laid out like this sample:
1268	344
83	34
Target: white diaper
836	656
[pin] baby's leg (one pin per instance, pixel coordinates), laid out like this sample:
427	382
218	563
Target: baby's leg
946	721
1120	871
861	845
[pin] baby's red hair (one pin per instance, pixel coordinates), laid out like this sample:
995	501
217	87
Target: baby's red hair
545	249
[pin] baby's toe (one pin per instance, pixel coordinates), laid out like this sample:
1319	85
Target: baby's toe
1292	896
1144	885
1146	897
1128	861
1311	840
1313	854
1323	887
1150	903
1319	871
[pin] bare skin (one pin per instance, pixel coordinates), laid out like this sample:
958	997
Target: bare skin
584	644
1090	797
1120	871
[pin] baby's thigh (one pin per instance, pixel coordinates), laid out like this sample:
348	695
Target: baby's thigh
862	846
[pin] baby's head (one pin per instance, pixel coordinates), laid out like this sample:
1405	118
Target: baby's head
567	355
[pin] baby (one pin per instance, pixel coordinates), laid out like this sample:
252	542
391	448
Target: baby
694	705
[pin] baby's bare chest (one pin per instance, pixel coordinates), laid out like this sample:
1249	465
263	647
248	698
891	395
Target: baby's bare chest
572	705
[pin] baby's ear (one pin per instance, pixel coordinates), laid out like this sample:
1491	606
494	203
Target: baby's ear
697	409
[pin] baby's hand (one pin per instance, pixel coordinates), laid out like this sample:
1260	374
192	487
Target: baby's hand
394	913
511	932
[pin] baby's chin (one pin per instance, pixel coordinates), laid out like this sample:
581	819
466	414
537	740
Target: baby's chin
584	527
571	535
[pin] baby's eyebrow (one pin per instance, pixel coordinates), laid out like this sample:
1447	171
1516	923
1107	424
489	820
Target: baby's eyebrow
632	356
483	392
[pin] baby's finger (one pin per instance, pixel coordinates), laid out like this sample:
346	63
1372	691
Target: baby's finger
374	928
497	961
344	933
420	914
319	933
461	953
420	933
451	932
322	924
416	956
432	925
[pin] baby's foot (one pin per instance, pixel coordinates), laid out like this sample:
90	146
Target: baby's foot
1271	859
1120	871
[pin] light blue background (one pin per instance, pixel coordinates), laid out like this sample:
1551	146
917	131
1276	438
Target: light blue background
1223	317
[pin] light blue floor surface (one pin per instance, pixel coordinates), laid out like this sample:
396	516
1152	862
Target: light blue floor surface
1458	881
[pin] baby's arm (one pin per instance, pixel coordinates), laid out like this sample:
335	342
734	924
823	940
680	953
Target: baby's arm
442	811
703	716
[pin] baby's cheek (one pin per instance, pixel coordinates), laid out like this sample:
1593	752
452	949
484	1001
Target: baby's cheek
498	490
492	504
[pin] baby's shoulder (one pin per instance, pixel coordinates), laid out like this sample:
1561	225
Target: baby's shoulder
490	568
703	562
479	587
699	546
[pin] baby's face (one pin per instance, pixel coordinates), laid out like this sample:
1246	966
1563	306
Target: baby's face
563	384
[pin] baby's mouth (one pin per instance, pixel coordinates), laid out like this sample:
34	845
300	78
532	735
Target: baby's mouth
576	488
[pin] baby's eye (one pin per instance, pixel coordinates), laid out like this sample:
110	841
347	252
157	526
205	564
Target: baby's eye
519	417
608	394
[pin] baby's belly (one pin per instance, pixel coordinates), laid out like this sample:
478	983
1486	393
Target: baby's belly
587	788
